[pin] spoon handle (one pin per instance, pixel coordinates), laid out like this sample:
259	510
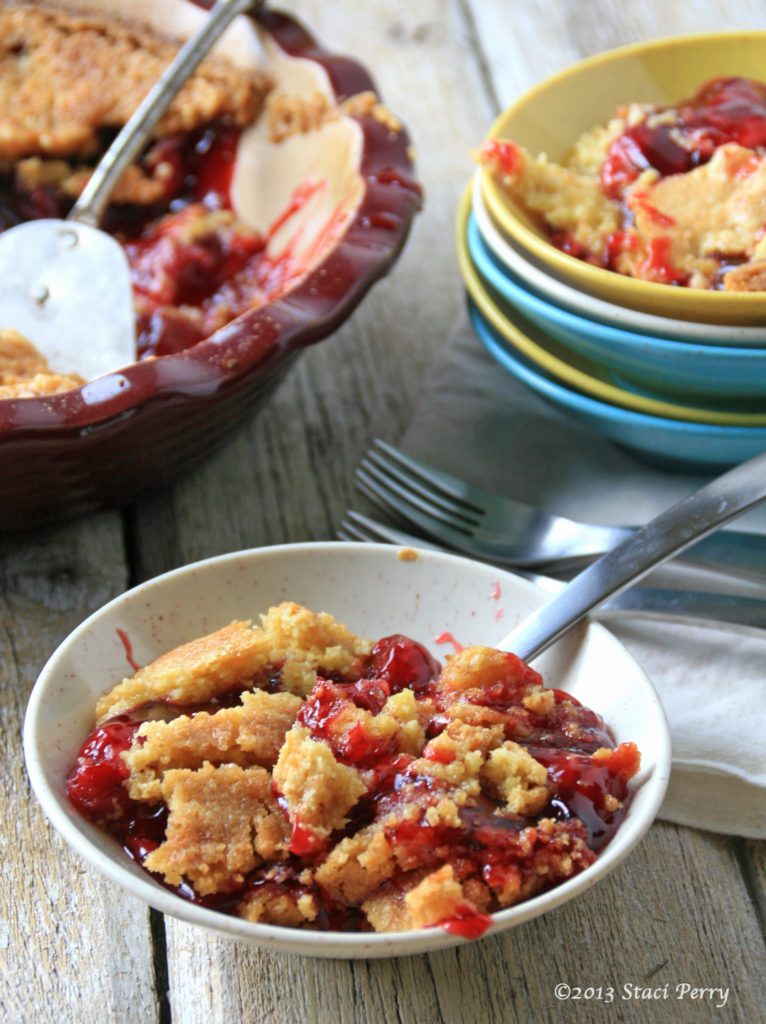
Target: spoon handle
90	206
690	519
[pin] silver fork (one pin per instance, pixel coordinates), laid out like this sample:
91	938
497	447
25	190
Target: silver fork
649	602
509	532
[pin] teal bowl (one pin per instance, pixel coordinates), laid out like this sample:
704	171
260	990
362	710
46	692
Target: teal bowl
670	444
659	367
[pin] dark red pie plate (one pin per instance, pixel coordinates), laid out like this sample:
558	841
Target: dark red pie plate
133	431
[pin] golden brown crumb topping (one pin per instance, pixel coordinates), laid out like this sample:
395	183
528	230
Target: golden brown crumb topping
317	789
295	115
65	76
252	733
291	639
750	277
193	673
215	816
386	794
24	371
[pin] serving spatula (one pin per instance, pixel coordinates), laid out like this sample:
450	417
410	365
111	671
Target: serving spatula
65	284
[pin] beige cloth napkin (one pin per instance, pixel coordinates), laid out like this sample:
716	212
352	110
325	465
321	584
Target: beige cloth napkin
477	422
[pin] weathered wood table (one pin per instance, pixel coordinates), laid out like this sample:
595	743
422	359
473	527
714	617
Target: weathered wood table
687	907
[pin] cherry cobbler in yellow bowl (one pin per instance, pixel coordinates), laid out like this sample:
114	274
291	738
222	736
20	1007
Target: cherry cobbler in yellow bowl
666	193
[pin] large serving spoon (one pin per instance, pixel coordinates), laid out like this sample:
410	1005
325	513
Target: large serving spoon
65	284
690	519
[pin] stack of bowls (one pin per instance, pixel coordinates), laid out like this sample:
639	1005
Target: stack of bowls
678	375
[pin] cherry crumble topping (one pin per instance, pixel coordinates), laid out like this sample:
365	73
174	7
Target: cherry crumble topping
294	774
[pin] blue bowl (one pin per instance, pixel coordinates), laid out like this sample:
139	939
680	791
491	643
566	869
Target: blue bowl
672	444
655	366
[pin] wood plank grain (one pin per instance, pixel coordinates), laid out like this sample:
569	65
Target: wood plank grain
72	946
524	43
287	476
753	864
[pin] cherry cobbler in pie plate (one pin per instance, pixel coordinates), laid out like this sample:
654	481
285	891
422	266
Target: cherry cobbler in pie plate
276	189
291	780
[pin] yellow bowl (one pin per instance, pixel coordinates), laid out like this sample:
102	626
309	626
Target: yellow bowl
550	117
570	369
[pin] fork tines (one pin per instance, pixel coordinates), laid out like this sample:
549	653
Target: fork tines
423	495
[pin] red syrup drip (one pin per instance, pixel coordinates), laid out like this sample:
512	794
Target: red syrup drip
658	267
447	638
467	922
300	196
126	643
504	154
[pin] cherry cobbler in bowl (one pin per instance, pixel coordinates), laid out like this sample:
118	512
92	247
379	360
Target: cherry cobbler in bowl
295	774
668	193
69	80
274	193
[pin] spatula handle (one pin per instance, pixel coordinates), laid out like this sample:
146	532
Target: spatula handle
90	206
694	517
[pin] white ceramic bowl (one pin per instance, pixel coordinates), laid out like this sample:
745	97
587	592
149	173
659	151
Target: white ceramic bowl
375	593
581	302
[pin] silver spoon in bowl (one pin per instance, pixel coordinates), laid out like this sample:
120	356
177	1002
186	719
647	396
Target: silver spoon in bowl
65	284
674	530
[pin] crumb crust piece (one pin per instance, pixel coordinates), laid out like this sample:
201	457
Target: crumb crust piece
24	371
67	75
292	641
221	824
317	790
251	734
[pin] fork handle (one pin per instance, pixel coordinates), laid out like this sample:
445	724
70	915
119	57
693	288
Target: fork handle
697	515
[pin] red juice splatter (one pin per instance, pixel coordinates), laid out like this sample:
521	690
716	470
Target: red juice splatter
128	649
447	638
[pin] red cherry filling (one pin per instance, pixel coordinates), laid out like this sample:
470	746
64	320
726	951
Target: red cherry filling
583	786
484	844
505	154
403	663
467	922
722	111
304	842
95	784
188	283
323	712
725	110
